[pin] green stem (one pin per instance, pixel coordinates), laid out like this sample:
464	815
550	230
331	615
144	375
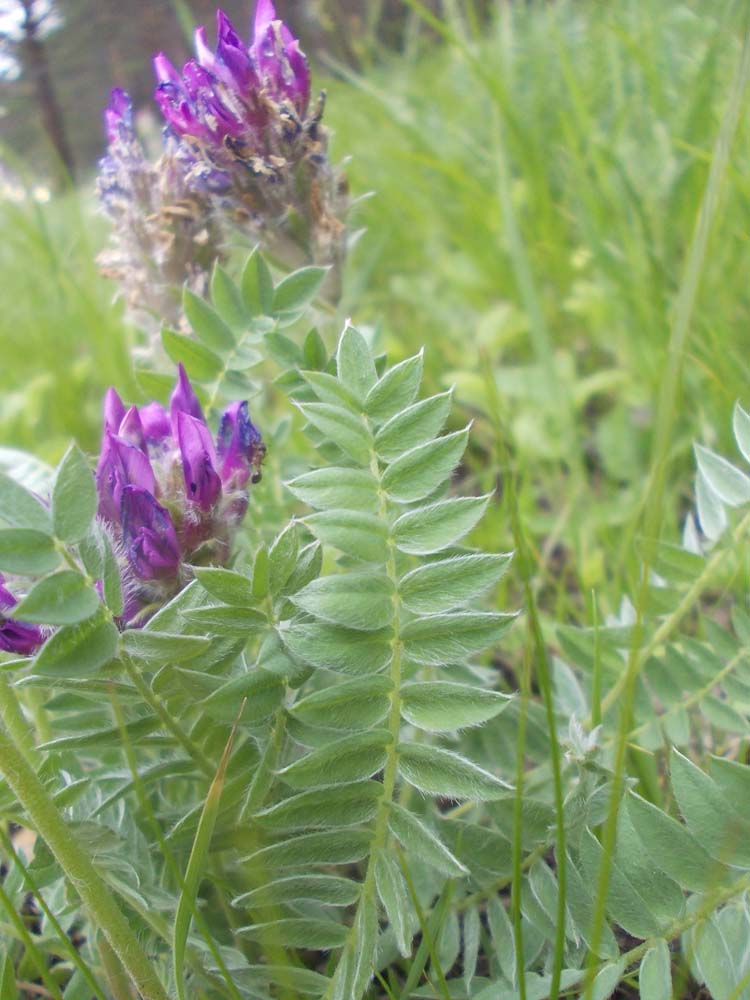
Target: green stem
76	863
15	721
155	703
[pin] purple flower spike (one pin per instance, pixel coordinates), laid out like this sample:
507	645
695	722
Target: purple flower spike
240	447
155	422
16	637
114	411
184	400
120	465
148	535
202	482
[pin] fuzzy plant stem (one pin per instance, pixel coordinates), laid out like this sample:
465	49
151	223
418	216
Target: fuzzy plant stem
75	862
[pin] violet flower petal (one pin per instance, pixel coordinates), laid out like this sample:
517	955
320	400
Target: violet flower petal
148	534
202	481
239	446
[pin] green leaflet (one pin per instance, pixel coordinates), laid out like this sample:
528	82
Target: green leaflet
227	586
154	646
348	759
395	390
332	487
61	599
207	325
439	525
361	601
443	772
441	706
418	840
448	583
201	362
439	639
741	428
294	292
625	904
334	648
282	558
355	704
331	847
329	890
264	692
78	650
655	975
23	550
227	299
339	806
340	426
395	898
74	498
413	426
356	533
256	285
730	485
417	473
20	508
356	369
673	849
708	814
328	389
298	932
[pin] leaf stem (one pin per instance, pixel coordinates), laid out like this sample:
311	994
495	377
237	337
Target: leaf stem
155	703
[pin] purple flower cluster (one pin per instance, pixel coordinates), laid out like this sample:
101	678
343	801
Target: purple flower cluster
227	100
168	494
16	637
244	151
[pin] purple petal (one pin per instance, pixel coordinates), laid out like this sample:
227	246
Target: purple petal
118	115
265	13
131	429
203	50
155	423
148	534
184	399
240	447
7	600
20	637
233	54
165	72
120	465
202	482
114	411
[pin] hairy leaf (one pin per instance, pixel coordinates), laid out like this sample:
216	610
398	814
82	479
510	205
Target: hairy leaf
362	601
448	583
349	759
442	706
443	772
437	526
